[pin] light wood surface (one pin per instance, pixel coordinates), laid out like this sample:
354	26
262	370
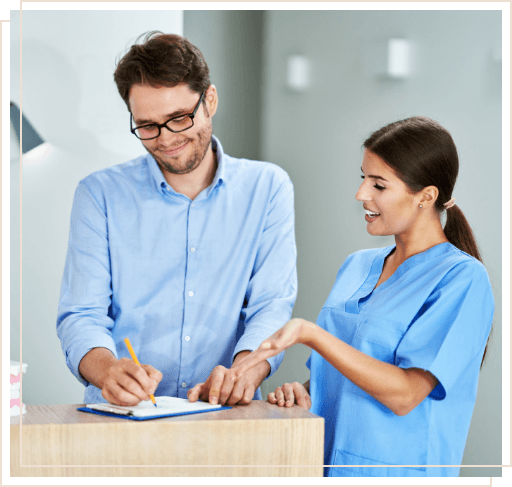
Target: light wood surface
255	440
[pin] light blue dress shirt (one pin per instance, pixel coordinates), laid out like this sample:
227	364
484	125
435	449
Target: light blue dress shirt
191	283
434	313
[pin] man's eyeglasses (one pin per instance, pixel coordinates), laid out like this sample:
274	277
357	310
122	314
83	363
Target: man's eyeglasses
175	124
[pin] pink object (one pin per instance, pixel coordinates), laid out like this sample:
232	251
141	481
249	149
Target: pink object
449	203
15	378
16	402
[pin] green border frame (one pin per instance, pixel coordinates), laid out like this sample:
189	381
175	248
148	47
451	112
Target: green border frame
8	5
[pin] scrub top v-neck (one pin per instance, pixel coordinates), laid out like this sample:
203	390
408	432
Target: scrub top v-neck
433	313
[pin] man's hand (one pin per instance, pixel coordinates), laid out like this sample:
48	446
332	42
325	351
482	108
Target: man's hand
122	381
223	387
127	384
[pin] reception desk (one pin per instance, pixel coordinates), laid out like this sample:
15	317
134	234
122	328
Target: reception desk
259	439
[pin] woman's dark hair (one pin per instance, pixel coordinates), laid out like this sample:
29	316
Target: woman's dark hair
161	60
422	153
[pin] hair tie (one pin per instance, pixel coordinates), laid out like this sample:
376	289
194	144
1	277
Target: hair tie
449	203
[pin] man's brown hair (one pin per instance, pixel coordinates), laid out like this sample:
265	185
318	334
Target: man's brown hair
161	60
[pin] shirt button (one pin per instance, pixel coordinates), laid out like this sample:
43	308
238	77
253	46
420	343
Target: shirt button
190	293
192	205
183	384
168	188
192	249
187	338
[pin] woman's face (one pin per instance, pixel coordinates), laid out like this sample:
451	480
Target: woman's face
391	209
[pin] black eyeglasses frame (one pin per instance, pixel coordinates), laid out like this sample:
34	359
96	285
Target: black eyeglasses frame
161	125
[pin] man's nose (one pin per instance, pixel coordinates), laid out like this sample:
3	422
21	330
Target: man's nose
166	135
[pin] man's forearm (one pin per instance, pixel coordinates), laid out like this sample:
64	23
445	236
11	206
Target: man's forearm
94	364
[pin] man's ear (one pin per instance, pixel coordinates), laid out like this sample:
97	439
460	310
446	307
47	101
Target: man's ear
211	100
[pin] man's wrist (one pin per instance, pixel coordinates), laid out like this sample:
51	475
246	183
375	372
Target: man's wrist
262	370
94	365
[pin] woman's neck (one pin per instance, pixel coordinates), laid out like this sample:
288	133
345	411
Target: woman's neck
419	239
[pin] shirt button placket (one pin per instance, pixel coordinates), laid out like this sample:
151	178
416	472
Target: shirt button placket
189	292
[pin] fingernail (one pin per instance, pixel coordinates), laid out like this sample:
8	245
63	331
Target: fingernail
214	400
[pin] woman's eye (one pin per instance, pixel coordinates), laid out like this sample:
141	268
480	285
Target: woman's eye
380	188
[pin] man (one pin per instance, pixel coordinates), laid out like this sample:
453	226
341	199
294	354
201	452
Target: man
188	252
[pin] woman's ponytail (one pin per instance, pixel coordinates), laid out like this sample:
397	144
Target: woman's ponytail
459	233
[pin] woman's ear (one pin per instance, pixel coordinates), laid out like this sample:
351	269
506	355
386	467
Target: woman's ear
428	196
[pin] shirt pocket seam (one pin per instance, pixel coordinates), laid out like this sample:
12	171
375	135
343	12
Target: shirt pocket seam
339	453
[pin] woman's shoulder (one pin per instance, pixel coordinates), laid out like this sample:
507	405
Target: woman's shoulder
454	258
457	269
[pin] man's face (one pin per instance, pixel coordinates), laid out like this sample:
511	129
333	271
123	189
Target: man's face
177	153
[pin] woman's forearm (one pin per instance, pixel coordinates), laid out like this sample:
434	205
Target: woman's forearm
401	390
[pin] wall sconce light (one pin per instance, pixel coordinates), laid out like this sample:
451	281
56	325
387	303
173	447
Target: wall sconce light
391	58
297	75
34	148
399	58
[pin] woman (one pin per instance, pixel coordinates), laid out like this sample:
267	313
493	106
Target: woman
398	345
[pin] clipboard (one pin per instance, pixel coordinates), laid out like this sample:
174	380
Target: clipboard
167	407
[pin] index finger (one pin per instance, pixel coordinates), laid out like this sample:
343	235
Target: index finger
137	373
154	375
217	379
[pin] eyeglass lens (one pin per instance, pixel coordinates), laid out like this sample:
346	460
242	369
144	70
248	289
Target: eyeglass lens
175	124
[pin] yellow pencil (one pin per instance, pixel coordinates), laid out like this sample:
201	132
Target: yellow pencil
136	360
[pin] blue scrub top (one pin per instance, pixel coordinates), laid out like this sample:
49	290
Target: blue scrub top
434	313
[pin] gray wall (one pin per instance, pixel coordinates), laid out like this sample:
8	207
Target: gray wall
230	41
316	137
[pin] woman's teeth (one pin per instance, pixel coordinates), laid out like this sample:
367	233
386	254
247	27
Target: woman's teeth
371	214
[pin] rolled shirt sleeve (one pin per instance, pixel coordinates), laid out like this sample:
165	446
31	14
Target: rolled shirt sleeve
450	332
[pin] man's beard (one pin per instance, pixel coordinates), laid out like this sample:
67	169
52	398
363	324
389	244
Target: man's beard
204	138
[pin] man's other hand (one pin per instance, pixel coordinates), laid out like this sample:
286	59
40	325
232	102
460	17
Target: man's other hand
223	387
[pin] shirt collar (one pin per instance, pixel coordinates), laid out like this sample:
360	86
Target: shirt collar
221	169
161	183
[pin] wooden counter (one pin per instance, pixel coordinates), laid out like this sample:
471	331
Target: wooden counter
255	440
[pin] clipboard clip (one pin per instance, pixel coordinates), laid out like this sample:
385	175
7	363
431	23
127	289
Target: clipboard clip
111	409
